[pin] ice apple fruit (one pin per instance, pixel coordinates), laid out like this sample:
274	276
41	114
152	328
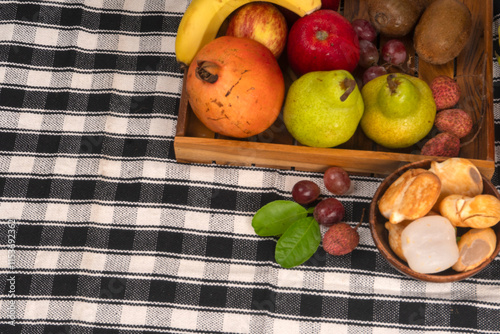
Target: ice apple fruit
322	41
260	21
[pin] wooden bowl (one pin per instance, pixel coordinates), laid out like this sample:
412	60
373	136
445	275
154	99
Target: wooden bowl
381	236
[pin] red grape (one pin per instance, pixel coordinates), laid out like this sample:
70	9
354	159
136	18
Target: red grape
373	72
368	54
337	180
364	29
329	211
305	192
394	52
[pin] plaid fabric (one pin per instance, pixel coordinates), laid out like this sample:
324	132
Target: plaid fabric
101	231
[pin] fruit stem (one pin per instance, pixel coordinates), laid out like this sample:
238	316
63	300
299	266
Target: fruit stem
393	84
479	126
348	85
361	220
202	72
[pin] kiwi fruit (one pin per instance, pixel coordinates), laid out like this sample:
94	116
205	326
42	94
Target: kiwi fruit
395	18
442	31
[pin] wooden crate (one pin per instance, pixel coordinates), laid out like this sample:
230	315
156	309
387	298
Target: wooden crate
277	149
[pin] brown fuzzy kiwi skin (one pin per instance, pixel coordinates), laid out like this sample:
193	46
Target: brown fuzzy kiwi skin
443	31
395	18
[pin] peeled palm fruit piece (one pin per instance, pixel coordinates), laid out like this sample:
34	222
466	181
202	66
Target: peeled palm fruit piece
429	244
475	247
480	211
458	176
411	196
395	231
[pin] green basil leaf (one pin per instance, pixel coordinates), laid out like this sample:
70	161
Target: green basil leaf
275	217
299	242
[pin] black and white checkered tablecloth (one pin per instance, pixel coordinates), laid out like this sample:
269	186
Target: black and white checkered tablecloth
111	235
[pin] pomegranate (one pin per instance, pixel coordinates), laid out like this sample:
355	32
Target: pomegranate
235	86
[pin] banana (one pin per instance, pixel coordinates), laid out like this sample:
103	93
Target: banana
203	18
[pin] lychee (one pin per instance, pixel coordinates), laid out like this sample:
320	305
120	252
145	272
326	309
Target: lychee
446	92
443	144
454	121
340	239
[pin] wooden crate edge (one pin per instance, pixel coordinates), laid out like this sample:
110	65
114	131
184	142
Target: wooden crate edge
241	153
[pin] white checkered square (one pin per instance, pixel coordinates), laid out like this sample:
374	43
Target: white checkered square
93	261
154	169
148	216
241	273
36	309
46	36
39	78
123	82
243	225
133	315
197	221
336	282
102	214
7	32
236	323
11	210
81	81
200	173
180	316
19	164
56	211
84	311
161	127
111	168
134	5
333	328
283	326
129	43
116	125
290	278
73	123
250	178
86	40
191	269
141	264
46	259
30	121
168	84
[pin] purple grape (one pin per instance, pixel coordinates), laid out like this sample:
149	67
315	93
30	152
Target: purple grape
394	52
364	29
305	192
373	72
337	180
368	54
329	211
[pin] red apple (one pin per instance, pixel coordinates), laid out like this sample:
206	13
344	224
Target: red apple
322	41
262	22
330	4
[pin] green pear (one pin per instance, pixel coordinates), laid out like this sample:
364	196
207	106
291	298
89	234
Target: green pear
323	108
399	110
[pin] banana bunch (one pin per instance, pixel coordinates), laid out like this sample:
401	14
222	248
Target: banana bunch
203	18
